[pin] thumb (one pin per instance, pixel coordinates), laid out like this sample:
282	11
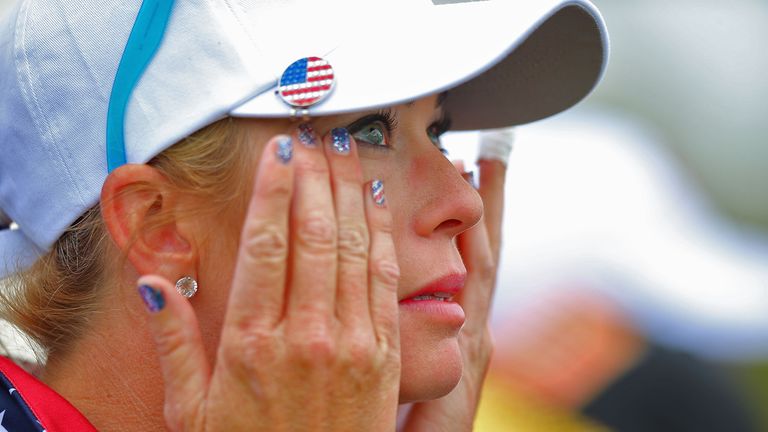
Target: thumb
175	329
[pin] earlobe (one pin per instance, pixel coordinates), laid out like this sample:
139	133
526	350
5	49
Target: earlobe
141	211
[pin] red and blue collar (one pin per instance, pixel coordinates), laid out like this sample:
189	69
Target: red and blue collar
28	405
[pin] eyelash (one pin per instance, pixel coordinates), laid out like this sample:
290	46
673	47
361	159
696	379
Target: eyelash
387	118
384	117
437	129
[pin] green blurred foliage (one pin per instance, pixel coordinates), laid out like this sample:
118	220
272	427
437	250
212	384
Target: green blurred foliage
754	379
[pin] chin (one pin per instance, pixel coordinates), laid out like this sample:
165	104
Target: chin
431	361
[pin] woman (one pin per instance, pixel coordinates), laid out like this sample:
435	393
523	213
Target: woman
330	257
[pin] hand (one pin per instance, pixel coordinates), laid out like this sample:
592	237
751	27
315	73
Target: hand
310	340
480	247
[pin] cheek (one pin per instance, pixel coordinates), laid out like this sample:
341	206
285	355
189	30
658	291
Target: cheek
217	266
431	359
399	176
419	170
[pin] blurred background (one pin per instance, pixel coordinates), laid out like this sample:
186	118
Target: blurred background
633	290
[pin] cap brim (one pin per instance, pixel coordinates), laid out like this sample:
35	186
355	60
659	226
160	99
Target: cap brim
16	252
505	63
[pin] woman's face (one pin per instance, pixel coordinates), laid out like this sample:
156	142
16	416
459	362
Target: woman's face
431	204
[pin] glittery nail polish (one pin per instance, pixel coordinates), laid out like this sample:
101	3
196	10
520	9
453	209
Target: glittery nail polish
340	140
284	149
377	191
307	135
153	298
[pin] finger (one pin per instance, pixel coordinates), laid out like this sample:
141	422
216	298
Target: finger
384	272
313	237
258	287
353	239
491	189
477	294
176	333
459	165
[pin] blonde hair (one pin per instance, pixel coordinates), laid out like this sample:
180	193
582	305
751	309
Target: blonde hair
53	301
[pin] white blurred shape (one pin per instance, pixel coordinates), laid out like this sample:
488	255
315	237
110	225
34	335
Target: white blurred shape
592	201
696	69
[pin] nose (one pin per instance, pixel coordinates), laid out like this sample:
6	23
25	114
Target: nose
449	204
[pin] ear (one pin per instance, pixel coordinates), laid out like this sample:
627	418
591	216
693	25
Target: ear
141	211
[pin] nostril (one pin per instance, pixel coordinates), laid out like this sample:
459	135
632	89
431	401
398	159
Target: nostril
449	224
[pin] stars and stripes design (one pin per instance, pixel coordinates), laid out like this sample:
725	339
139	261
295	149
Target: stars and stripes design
28	405
15	414
377	189
306	82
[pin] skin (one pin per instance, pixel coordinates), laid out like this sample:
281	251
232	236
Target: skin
318	331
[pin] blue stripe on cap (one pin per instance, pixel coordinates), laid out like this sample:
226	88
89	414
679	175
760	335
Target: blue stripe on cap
146	36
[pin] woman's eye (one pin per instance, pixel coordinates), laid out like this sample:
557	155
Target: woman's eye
374	133
434	135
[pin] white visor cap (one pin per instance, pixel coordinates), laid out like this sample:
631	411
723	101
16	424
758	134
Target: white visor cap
502	63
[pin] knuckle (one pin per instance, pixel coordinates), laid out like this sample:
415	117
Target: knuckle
317	231
486	269
246	350
317	347
353	242
265	243
169	342
273	187
485	351
389	342
361	351
387	271
480	346
257	348
312	167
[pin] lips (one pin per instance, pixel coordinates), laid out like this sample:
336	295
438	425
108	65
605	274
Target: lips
439	290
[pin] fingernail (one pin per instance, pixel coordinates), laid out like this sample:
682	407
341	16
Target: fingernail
153	298
340	140
307	135
284	149
377	191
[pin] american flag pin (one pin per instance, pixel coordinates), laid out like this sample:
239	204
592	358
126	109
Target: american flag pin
306	82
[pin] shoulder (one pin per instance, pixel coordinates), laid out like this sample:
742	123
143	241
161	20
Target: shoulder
26	404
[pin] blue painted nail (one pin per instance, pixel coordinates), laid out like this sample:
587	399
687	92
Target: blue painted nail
377	190
153	298
284	149
307	135
340	140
